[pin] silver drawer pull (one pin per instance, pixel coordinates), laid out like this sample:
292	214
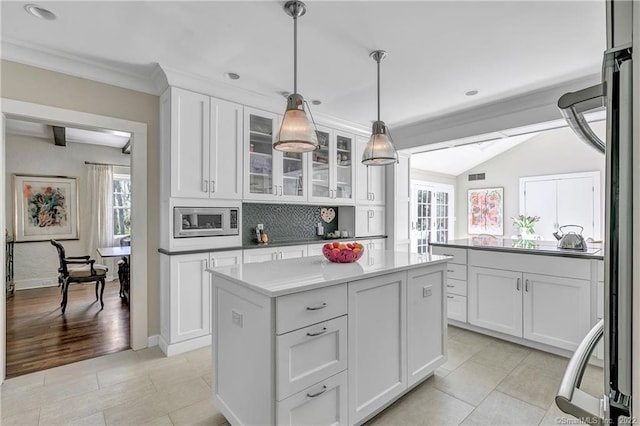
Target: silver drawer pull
320	392
447	254
449	270
449	297
450	286
324	330
316	308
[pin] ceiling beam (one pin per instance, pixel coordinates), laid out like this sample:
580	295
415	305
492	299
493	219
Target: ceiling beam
59	135
126	149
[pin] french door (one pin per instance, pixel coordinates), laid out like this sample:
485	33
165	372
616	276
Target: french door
432	215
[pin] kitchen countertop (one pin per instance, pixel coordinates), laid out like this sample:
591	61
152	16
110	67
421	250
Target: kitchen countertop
280	277
547	248
274	243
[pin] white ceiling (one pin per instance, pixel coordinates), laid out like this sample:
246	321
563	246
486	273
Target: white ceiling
103	137
437	50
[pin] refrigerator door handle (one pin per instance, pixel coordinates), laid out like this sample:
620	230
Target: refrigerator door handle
573	105
570	398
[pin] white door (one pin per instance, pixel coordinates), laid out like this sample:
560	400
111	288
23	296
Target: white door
189	144
540	200
432	215
377	343
225	166
426	333
557	310
190	297
495	300
576	204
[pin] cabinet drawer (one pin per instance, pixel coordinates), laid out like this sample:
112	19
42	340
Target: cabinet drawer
311	354
457	272
459	254
458	287
299	310
324	403
314	249
457	307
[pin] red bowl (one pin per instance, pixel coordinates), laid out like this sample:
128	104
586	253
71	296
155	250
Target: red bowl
344	255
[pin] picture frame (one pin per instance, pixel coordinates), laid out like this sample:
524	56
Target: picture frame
485	211
45	207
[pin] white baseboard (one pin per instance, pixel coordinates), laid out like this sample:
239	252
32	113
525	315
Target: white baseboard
182	347
152	341
36	283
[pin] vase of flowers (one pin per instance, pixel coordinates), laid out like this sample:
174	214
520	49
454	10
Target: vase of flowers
525	225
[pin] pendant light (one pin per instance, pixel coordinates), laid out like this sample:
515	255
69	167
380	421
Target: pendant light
379	150
296	133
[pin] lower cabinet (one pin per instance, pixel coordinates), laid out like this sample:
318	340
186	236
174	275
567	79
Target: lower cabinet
457	307
274	253
370	220
543	308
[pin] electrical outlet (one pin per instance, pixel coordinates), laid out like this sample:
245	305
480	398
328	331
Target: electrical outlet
426	291
236	318
260	227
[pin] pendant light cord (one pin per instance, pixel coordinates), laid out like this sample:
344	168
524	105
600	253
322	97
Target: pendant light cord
378	61
295	54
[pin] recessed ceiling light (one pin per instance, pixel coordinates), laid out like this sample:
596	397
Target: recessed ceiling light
231	75
40	12
316	102
471	93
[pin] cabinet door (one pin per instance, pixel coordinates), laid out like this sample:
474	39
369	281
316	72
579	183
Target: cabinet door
557	310
259	255
362	221
226	258
377	184
315	249
320	188
259	163
426	323
377	343
457	307
190	297
322	404
225	166
189	144
377	220
363	193
344	172
495	300
292	181
292	252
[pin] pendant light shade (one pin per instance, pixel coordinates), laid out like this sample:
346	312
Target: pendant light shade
296	133
379	150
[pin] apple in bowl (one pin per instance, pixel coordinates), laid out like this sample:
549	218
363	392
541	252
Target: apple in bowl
342	253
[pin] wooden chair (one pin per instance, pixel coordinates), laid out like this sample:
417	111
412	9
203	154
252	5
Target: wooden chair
78	269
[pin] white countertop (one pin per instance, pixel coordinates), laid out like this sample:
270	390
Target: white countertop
280	277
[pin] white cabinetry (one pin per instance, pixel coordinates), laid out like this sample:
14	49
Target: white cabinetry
370	181
185	298
270	175
553	309
274	253
456	281
370	221
332	168
204	145
377	343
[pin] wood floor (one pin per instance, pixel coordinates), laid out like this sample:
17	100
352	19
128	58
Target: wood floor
39	336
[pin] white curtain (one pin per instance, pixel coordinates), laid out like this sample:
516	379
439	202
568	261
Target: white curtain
100	197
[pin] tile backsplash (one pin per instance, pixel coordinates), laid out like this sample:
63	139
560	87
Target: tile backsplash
284	222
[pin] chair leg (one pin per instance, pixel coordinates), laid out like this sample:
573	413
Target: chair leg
65	289
102	281
97	282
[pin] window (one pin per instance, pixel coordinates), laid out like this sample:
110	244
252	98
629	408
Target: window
433	215
121	205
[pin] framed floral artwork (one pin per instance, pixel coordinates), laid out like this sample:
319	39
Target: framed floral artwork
486	211
46	207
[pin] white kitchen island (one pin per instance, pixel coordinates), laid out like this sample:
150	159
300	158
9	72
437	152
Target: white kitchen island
306	341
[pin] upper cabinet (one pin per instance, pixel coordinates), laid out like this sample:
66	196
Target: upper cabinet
332	177
203	134
370	179
271	175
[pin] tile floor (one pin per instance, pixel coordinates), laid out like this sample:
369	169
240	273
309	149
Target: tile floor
485	382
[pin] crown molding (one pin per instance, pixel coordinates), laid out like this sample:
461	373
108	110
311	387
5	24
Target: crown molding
62	62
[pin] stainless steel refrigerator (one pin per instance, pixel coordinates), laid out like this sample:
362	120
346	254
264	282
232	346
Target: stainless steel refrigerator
622	228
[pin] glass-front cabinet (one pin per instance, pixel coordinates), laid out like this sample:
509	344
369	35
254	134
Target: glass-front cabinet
270	174
331	166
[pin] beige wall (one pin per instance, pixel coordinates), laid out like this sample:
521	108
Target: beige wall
36	85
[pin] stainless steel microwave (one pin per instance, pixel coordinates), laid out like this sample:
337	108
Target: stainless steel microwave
192	222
